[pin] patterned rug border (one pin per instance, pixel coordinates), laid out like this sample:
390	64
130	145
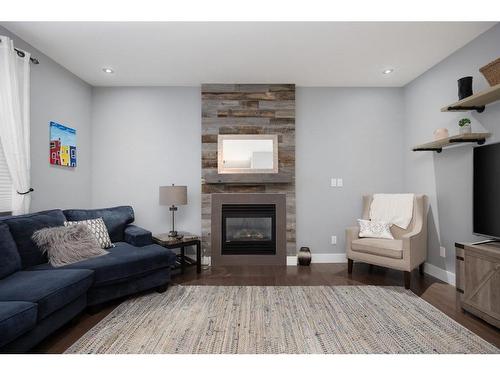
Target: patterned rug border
78	346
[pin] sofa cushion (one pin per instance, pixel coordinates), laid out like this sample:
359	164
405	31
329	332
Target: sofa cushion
16	318
10	261
115	218
49	289
123	262
378	246
22	228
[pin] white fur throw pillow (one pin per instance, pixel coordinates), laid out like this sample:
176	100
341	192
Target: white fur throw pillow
98	229
375	229
66	245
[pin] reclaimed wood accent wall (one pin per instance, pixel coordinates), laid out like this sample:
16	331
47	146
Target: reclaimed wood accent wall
248	109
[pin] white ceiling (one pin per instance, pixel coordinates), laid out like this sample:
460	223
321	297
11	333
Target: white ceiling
307	54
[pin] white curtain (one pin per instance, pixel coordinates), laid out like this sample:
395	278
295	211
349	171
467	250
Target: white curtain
15	121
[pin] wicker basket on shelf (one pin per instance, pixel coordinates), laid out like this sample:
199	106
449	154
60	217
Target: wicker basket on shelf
492	72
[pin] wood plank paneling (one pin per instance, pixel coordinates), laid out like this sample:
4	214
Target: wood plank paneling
248	109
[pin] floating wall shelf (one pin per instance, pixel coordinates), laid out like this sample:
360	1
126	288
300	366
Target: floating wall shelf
476	102
438	146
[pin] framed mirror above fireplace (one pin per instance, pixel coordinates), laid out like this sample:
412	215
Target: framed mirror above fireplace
247	153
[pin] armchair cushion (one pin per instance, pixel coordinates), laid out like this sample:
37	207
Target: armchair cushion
138	236
377	246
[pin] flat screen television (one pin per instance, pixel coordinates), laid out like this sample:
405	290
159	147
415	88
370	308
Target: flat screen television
486	191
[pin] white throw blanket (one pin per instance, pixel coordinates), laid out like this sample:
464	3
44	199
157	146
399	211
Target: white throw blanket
392	208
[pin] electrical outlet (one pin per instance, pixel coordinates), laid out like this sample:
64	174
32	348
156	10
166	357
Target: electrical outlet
333	182
334	240
340	182
442	251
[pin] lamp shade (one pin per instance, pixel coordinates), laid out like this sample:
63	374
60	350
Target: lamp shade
173	195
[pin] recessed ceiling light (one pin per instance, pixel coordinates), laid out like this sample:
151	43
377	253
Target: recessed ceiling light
388	71
108	70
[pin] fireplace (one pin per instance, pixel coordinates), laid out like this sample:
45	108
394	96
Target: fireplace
248	229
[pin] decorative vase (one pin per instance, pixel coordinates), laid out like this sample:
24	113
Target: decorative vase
466	129
205	259
464	87
304	256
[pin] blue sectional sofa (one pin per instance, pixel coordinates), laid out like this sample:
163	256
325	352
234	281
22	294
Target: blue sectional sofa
36	299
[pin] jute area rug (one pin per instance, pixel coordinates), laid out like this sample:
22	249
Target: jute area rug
279	319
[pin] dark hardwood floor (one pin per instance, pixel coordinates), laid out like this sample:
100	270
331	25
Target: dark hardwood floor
437	293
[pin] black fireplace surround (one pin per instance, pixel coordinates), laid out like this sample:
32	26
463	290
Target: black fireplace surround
248	229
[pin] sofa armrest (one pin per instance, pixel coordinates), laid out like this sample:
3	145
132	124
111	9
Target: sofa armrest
411	235
137	236
351	234
415	247
415	242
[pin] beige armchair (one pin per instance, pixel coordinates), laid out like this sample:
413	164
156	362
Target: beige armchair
406	252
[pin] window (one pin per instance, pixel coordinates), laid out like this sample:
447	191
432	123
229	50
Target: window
5	185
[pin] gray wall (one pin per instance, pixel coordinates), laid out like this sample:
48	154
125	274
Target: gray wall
350	133
57	95
143	138
146	137
447	177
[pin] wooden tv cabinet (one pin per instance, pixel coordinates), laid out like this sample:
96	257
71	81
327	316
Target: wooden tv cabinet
478	279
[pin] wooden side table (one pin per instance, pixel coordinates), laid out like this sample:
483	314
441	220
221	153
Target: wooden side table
171	243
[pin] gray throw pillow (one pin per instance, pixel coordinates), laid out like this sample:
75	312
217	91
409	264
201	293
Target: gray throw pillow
66	245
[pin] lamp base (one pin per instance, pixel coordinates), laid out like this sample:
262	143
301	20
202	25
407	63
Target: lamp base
172	233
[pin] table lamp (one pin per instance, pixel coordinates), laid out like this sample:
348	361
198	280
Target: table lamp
173	196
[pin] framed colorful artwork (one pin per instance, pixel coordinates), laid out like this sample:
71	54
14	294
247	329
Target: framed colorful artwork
62	145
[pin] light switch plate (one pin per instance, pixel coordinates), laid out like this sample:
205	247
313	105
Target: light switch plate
340	182
333	182
442	251
334	240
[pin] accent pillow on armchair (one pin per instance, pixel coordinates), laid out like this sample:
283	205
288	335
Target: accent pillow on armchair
375	229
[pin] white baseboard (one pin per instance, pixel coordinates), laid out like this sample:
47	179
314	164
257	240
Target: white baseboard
439	273
319	258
